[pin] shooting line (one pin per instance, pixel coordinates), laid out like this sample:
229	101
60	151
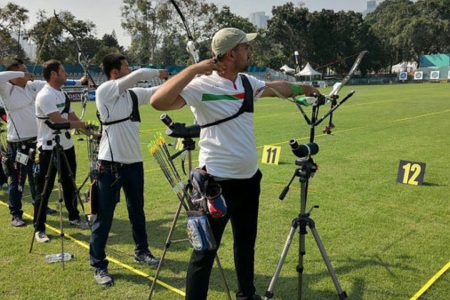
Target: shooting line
111	259
216	65
430	282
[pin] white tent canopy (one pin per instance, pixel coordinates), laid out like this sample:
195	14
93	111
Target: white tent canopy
308	71
404	67
287	69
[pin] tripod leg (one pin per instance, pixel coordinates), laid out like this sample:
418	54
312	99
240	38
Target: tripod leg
341	293
60	201
77	192
166	247
269	292
39	211
219	265
301	254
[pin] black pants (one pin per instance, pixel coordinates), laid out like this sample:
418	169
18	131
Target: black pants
19	174
112	177
242	198
69	195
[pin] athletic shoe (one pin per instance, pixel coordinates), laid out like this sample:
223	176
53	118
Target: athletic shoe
146	258
102	277
81	224
51	211
41	237
17	221
254	297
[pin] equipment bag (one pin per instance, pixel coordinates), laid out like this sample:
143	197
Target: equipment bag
206	194
199	231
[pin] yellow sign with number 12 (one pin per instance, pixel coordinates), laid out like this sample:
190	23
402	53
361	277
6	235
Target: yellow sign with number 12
410	172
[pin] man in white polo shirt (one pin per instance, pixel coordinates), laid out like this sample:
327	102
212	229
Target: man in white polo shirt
227	148
120	159
18	90
53	105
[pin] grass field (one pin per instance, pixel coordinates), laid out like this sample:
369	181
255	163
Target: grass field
384	239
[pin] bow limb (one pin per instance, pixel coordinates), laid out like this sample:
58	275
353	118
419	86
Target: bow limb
190	47
82	59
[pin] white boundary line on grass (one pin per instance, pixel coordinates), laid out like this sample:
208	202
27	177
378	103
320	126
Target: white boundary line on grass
113	260
431	282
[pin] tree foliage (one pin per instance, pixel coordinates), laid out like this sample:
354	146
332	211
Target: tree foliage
12	18
408	30
157	30
397	30
54	41
145	21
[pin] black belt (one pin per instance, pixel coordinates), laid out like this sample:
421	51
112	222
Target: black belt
107	163
27	141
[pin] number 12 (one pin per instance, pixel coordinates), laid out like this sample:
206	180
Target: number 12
415	170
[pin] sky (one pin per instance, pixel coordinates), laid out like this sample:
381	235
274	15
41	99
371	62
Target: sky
106	13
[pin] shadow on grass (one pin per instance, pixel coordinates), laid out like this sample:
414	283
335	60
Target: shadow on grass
432	184
285	287
173	271
120	233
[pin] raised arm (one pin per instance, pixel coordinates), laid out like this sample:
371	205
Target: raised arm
6	76
167	97
134	77
287	89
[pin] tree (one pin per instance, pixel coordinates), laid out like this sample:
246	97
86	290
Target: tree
172	50
107	45
146	22
152	24
54	41
335	38
288	28
386	24
408	30
200	19
12	18
225	18
429	30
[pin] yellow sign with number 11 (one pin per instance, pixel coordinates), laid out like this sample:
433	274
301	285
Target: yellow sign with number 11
271	155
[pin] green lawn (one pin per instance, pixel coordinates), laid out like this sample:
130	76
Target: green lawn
384	239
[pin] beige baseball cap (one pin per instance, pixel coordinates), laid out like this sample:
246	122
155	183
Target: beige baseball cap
228	38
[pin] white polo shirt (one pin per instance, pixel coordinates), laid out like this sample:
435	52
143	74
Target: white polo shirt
228	150
20	105
50	100
120	142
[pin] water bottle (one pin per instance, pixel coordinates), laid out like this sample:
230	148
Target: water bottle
57	257
306	101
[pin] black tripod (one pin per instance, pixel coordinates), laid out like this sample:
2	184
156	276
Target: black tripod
58	157
186	133
305	170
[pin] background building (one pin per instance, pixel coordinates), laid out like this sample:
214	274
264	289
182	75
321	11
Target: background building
371	6
259	19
